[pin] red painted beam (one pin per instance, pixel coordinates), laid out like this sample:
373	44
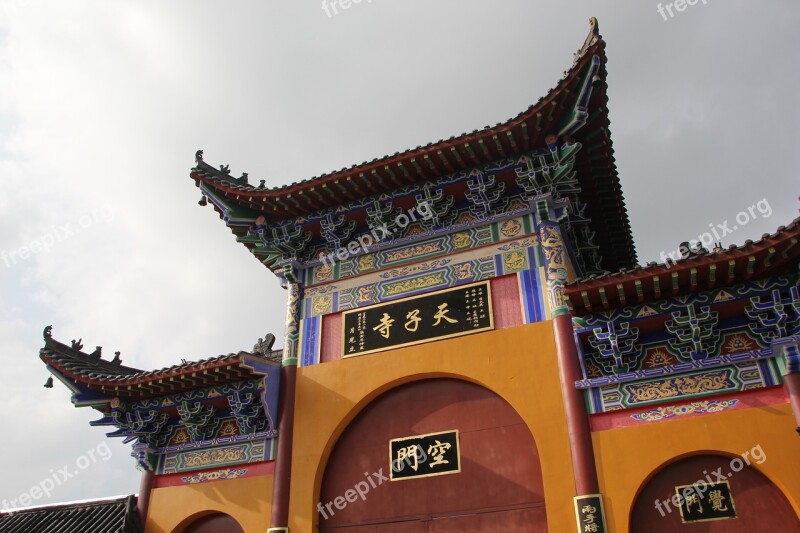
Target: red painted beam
792	384
143	501
580	435
283	455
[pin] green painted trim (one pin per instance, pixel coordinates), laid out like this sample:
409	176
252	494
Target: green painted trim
783	366
528	225
495	231
561	310
236	213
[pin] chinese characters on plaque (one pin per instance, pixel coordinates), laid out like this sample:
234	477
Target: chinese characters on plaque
713	503
443	314
589	514
434	454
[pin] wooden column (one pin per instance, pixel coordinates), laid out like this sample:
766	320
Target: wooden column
789	348
555	255
580	435
279	521
792	384
143	501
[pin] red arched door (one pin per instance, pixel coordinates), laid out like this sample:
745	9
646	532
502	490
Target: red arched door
499	487
759	505
214	523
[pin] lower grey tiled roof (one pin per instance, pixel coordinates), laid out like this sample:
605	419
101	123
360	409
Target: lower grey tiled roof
117	515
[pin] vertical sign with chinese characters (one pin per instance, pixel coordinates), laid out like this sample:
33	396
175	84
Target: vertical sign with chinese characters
443	314
589	514
434	454
713	503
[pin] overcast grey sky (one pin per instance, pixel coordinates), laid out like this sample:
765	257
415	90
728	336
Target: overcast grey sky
103	104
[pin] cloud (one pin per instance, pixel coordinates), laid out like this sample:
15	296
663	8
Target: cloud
103	105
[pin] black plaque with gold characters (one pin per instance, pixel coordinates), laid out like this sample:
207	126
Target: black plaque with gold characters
434	454
702	503
589	513
443	314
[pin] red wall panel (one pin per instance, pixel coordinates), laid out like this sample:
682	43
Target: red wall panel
506	302
500	482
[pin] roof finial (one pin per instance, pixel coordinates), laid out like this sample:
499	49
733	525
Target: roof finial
264	346
594	35
594	25
198	156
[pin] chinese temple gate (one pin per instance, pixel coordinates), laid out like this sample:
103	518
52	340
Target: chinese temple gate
470	346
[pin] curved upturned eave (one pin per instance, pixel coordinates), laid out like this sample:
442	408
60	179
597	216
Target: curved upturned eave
597	173
737	264
103	376
219	181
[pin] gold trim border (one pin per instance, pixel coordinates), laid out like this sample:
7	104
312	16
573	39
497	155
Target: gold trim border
578	514
458	455
730	492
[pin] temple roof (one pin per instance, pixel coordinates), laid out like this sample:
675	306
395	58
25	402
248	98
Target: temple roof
702	270
82	370
98	516
561	114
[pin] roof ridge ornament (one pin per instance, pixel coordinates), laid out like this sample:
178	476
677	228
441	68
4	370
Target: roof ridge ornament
264	346
591	39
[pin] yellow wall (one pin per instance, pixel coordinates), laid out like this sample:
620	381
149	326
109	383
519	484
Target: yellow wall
519	364
247	500
628	457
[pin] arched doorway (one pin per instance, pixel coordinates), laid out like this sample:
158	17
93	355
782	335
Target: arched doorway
499	487
214	523
759	505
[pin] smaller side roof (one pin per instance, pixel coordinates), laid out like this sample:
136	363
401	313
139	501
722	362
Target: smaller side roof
89	372
772	255
116	515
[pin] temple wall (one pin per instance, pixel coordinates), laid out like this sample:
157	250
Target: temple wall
247	500
628	457
518	364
